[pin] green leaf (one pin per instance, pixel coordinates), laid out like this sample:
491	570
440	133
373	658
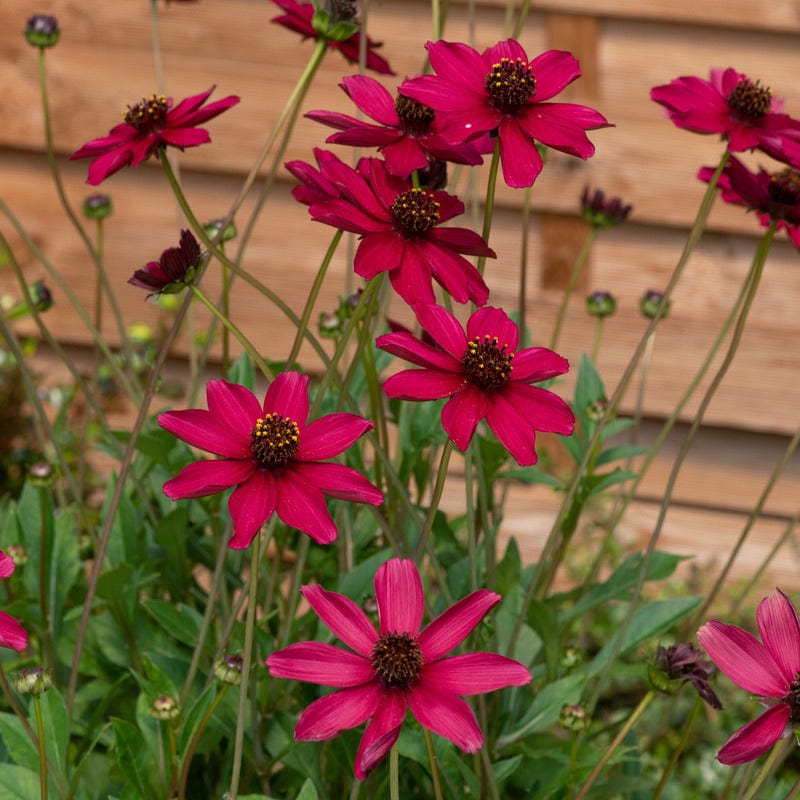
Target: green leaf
308	791
242	372
531	475
132	756
18	783
194	715
619	451
358	583
181	622
56	729
543	619
19	745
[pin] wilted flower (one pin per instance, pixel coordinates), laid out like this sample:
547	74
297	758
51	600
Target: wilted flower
601	304
177	267
395	668
42	30
150	124
683	662
603	212
769	668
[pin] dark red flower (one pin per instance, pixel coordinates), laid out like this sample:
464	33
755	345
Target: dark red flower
149	125
409	133
175	269
739	109
400	233
297	18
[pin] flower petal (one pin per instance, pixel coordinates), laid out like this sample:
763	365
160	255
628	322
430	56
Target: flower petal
344	617
474	673
206	430
372	98
12	634
452	626
303	506
535	364
398	593
423	384
462	413
743	659
756	737
250	506
457	62
334	713
519	156
202	478
447	715
780	632
515	430
234	405
379	252
339	481
403	345
7	565
443	327
493	322
317	662
544	410
554	70
381	733
330	435
288	395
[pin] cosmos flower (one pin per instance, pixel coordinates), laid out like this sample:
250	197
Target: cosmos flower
150	124
769	668
400	233
395	667
298	17
775	197
12	634
484	376
740	110
502	92
408	134
683	662
176	268
273	457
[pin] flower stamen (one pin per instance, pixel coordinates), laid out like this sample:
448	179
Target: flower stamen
415	117
148	116
486	364
397	659
510	85
274	441
784	187
750	101
415	212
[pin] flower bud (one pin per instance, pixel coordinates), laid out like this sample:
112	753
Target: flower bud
596	409
329	325
574	718
42	30
601	212
165	707
229	669
40	296
570	658
18	553
601	304
33	680
650	302
97	206
212	229
41	473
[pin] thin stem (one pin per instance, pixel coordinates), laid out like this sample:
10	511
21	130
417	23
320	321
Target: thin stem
294	591
247	658
488	210
437	784
37	709
777	754
436	496
43	582
623	732
678	749
240	337
523	262
598	336
201	726
394	772
572	282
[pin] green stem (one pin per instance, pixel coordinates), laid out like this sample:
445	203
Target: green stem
488	210
678	749
247	658
572	282
523	262
294	591
43	582
436	496
37	709
394	772
776	756
312	298
432	760
240	337
598	335
623	732
201	726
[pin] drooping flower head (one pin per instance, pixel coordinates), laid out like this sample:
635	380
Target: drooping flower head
298	17
150	124
400	233
396	667
774	196
485	377
272	455
680	663
503	92
741	110
408	134
769	668
176	268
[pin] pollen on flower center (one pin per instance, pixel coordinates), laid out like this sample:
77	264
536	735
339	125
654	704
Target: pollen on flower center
784	187
415	212
148	115
397	659
486	363
415	117
510	85
749	100
274	441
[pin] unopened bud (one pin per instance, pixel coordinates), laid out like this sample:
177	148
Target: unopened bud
41	473
570	657
212	229
42	30
165	707
574	718
650	302
32	680
97	206
229	669
18	553
601	304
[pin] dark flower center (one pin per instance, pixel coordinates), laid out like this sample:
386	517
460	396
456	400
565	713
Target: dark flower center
148	115
397	659
510	84
784	187
274	441
414	212
486	364
793	700
415	117
750	101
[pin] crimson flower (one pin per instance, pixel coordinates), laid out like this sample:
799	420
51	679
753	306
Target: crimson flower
769	668
732	105
409	133
298	17
395	667
484	376
150	124
12	634
314	187
775	197
272	457
502	92
176	268
399	231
